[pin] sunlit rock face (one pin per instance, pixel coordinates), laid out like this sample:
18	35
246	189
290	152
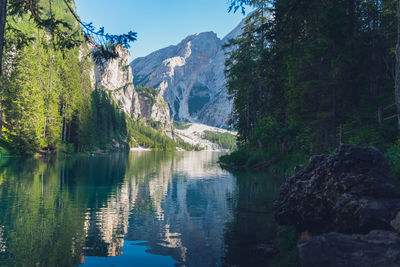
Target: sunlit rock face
191	78
154	108
115	75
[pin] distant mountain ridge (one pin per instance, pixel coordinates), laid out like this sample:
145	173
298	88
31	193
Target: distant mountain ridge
190	76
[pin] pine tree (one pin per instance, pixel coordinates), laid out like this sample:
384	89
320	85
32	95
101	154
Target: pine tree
306	71
25	105
52	86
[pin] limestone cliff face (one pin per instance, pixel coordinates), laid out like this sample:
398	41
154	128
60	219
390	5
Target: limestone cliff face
191	78
115	75
153	107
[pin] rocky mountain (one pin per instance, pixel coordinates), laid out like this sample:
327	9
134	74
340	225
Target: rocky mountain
191	78
144	103
115	75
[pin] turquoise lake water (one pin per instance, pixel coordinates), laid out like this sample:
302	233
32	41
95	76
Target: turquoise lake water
137	209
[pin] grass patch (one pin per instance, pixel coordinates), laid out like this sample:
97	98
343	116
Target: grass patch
139	134
182	125
224	140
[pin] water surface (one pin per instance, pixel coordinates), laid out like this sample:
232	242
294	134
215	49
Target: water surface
138	209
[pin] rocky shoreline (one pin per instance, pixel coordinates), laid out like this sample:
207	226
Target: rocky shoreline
349	204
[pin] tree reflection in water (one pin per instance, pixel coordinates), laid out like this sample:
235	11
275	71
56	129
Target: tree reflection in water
181	207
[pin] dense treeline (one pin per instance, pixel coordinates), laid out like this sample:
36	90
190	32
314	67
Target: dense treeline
140	134
224	140
48	98
105	125
46	91
307	75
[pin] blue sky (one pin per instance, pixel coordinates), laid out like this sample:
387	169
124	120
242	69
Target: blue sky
159	23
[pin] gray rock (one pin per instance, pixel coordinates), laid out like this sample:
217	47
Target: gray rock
191	78
396	223
350	191
115	75
266	250
378	248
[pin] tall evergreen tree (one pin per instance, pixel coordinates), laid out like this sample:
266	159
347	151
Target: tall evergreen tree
309	83
25	109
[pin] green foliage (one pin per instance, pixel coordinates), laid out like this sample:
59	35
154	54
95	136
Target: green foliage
24	103
148	92
235	5
140	134
224	140
393	155
181	125
157	125
49	103
185	146
285	242
254	224
59	19
4	149
48	98
238	158
109	122
300	80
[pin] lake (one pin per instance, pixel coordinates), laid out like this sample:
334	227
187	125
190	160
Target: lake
138	209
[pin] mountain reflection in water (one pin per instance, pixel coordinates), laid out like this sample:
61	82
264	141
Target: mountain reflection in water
145	208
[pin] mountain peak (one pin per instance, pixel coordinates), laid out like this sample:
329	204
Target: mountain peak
190	76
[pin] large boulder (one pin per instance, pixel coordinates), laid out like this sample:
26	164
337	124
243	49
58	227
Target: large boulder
350	191
378	248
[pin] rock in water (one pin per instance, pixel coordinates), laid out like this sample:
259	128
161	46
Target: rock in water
378	248
396	223
351	191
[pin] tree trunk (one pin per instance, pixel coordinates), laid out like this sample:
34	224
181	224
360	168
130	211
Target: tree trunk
3	15
397	81
63	123
1	113
69	131
64	130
